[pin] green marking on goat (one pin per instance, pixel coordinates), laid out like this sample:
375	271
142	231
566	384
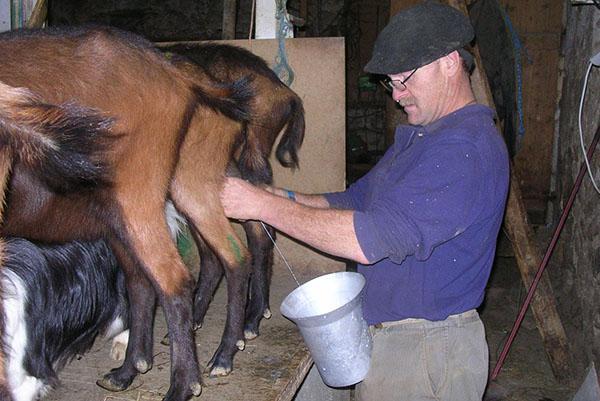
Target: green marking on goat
236	249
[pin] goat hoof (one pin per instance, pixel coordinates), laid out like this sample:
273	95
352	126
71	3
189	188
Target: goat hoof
267	313
240	344
142	366
250	334
196	389
109	384
165	340
219	371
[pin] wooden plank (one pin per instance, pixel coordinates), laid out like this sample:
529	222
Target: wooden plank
533	162
38	15
535	15
528	258
293	385
543	303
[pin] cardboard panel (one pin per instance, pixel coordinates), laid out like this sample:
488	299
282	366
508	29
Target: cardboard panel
319	68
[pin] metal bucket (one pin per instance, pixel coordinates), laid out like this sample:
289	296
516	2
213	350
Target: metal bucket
328	313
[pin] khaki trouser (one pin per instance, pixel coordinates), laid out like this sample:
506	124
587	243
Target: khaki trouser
417	360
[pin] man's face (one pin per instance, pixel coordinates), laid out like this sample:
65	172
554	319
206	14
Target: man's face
423	97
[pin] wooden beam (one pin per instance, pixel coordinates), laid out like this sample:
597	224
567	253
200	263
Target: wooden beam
527	253
229	17
38	15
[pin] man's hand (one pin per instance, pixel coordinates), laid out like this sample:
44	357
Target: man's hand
242	200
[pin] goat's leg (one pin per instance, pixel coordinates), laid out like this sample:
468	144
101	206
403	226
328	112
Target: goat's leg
149	240
235	259
195	191
211	272
142	301
261	248
255	167
237	291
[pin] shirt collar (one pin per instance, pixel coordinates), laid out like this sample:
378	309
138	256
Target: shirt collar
447	122
456	117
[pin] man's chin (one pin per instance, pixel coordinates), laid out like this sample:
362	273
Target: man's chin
413	119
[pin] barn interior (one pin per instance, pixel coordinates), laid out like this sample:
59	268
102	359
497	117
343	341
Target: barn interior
533	67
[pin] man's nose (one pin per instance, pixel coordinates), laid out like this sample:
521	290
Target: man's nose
398	94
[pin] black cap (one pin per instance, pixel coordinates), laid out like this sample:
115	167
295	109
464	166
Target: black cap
419	35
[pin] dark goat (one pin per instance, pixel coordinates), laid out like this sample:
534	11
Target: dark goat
162	118
56	300
63	144
274	107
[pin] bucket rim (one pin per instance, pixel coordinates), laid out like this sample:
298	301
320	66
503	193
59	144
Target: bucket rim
333	314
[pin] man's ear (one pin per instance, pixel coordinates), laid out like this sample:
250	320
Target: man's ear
452	63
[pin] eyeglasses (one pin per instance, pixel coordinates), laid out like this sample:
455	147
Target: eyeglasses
400	84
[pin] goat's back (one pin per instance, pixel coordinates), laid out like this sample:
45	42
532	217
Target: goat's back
105	69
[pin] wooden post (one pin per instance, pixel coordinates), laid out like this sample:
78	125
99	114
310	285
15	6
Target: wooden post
229	16
303	15
527	253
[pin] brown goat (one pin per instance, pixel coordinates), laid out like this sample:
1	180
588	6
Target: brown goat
62	145
160	116
274	107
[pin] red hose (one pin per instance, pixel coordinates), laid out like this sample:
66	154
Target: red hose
546	258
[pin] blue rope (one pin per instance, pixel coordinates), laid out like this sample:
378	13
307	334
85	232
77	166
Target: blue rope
517	46
282	68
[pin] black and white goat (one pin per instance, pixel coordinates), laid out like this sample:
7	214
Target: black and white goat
56	300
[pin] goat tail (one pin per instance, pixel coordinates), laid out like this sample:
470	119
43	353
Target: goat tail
66	144
232	100
293	135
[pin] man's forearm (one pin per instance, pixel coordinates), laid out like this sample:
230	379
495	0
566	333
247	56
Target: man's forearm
316	201
329	230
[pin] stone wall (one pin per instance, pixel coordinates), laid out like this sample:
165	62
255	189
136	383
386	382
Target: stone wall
575	267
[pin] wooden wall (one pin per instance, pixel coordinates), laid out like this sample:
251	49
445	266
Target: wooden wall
539	24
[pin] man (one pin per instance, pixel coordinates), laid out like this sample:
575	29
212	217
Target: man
422	224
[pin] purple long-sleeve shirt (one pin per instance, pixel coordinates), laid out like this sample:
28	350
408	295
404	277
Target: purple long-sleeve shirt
427	217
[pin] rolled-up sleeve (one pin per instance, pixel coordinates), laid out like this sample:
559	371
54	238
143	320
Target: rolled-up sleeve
350	199
431	204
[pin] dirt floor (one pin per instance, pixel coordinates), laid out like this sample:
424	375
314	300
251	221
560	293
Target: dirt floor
270	364
267	369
